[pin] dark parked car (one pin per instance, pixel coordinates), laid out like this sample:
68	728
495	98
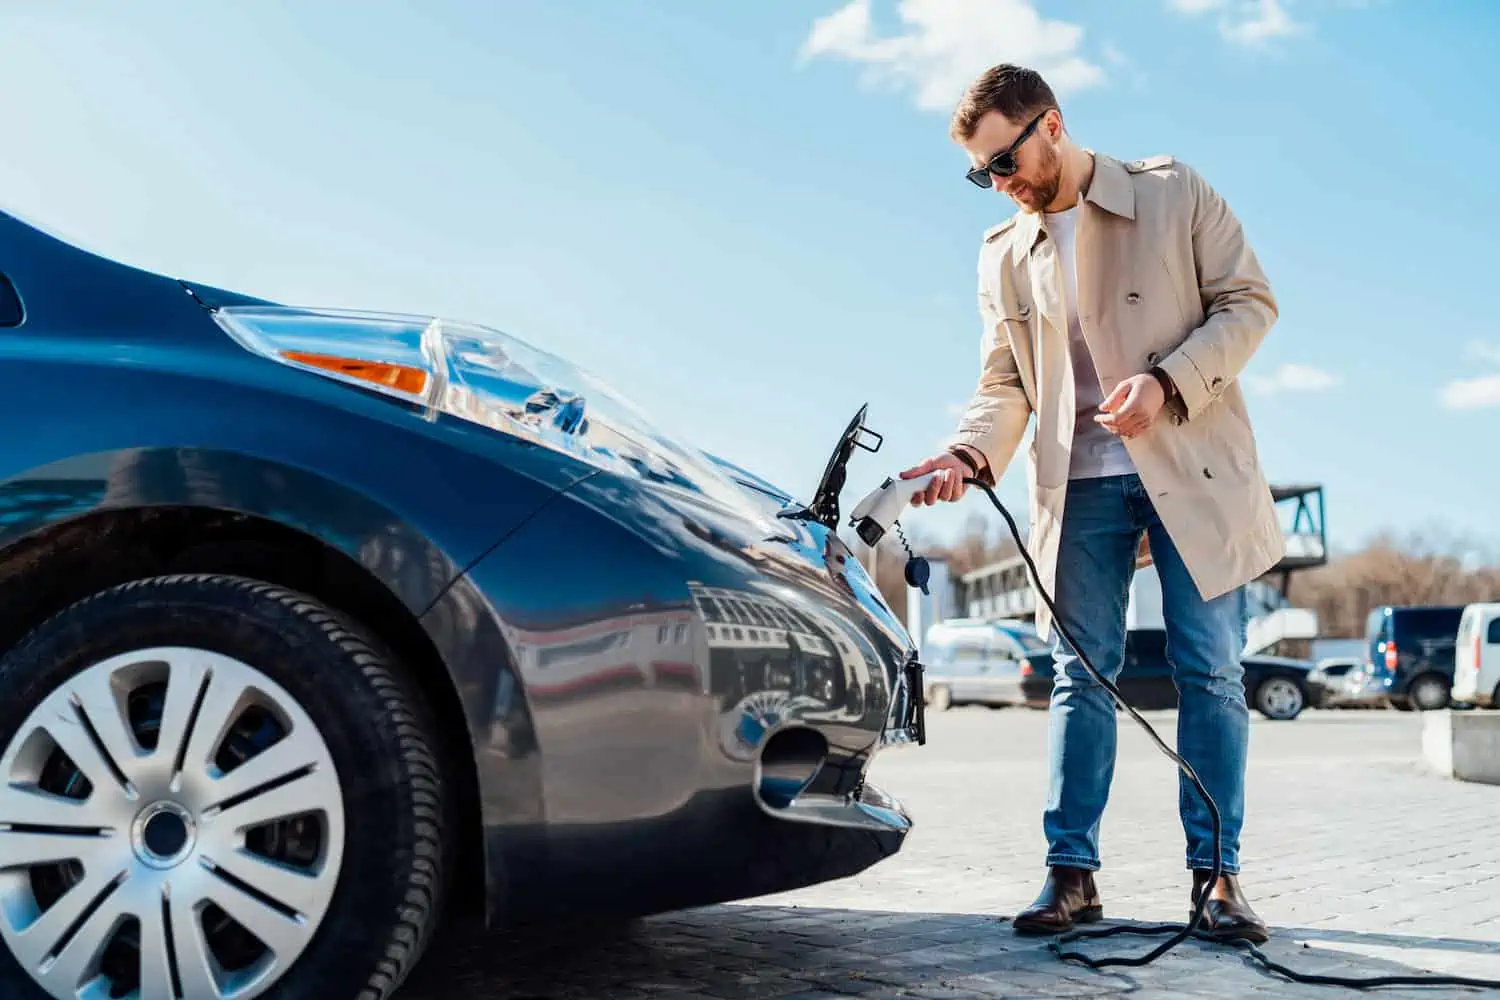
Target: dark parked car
318	623
1411	653
1275	686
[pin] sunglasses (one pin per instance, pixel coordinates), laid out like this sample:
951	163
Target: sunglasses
1003	163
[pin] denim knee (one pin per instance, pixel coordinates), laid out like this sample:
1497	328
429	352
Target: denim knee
1224	681
1205	662
1069	672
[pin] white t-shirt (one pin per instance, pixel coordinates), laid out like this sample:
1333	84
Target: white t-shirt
1096	452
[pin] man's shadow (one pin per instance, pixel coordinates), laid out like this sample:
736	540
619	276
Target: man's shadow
750	951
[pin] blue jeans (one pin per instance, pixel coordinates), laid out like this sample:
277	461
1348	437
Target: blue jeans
1102	524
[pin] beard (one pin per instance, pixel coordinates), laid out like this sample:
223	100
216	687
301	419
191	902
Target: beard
1040	191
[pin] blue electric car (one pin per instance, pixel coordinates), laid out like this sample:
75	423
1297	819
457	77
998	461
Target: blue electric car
316	623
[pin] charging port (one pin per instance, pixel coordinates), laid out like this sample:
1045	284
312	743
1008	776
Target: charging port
789	762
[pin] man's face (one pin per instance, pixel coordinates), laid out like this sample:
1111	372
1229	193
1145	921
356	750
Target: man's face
1038	176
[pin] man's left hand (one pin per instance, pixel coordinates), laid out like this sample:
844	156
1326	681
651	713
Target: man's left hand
1132	408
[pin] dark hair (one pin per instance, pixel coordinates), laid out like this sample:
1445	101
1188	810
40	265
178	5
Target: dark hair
1016	92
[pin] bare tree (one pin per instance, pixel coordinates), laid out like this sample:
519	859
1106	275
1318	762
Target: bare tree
1424	567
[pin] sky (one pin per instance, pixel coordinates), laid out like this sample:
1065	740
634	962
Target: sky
748	217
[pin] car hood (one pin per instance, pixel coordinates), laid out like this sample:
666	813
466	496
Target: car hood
749	480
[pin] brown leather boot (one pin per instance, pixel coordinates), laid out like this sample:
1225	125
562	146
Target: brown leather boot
1228	916
1068	895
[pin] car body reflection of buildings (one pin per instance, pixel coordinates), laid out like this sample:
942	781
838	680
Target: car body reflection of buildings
773	662
628	651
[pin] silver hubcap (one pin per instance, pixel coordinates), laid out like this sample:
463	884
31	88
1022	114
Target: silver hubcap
1281	697
171	824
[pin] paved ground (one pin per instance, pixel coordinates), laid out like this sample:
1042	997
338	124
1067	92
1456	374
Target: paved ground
1364	862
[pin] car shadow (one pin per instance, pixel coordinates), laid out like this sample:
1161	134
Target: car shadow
756	951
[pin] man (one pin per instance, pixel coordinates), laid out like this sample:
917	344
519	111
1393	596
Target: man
1119	305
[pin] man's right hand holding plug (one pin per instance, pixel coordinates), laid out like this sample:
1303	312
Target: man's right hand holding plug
954	466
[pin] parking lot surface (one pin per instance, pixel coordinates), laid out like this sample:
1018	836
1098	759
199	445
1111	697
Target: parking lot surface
1364	862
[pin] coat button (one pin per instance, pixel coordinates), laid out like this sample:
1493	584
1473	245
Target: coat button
1133	298
1152	358
1025	311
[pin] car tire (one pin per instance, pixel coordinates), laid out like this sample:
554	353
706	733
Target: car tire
289	690
1428	693
939	698
1280	699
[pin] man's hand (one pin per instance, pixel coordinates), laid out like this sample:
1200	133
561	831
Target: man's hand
1132	408
948	486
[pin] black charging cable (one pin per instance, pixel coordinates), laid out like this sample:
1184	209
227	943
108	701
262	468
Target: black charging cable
1181	932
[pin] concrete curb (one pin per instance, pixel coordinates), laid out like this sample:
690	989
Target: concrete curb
1464	746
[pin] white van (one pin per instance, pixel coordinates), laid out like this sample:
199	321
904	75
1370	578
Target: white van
1476	658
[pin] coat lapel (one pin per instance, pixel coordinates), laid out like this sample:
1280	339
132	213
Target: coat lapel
1105	210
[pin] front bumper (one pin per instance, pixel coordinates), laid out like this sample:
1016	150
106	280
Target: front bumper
716	848
651	689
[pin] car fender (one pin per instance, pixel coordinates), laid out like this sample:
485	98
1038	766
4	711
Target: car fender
411	564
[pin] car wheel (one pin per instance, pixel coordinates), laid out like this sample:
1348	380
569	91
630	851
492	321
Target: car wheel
209	787
1428	693
939	698
1279	698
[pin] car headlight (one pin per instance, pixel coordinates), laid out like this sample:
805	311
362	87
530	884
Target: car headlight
487	377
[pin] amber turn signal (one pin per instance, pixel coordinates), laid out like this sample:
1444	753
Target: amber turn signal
400	377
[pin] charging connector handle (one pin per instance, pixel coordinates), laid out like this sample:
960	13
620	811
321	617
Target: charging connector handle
873	516
1181	932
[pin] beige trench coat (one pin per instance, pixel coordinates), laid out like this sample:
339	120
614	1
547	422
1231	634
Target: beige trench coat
1166	277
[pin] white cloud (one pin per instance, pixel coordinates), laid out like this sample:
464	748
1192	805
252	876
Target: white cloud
945	44
1244	22
1292	378
1478	393
1270	20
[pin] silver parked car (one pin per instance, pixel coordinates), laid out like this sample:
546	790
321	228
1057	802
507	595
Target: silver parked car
980	661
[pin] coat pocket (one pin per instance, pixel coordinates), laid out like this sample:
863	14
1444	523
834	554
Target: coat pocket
1235	438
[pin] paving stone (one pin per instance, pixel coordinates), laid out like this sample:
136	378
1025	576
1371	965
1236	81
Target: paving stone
1364	861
